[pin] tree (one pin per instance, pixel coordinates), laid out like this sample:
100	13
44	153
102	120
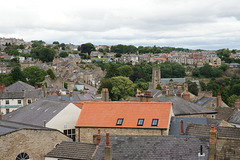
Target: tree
63	54
236	89
55	42
192	87
122	88
34	75
87	48
51	73
159	87
43	53
125	71
65	85
37	43
232	99
203	86
17	74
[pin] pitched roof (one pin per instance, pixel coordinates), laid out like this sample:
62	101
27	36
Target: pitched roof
204	101
203	130
183	107
224	113
12	95
19	86
9	126
37	112
154	147
178	80
235	118
106	114
73	150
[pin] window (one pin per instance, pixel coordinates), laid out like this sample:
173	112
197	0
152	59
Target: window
154	122
7	110
213	116
119	121
29	101
23	156
70	133
7	101
140	122
19	102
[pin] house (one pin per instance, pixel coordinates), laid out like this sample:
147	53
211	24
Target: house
72	150
4	67
24	141
59	115
234	65
54	83
146	147
182	107
123	118
18	95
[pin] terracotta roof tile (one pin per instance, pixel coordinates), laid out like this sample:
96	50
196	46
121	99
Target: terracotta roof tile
105	114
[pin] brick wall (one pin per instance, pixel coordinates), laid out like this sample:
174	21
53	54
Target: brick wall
86	134
37	143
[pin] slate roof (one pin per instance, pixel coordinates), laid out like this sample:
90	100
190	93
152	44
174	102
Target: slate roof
12	95
204	101
235	118
106	114
37	112
203	130
19	86
175	125
183	107
178	80
224	113
154	147
9	126
73	150
75	97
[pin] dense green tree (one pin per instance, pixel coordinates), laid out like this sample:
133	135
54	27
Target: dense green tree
6	79
106	83
63	54
65	85
236	89
17	74
55	42
192	87
122	88
51	73
37	43
43	53
34	75
232	99
125	71
203	86
159	87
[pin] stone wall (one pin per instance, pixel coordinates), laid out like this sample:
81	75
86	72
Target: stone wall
37	143
86	134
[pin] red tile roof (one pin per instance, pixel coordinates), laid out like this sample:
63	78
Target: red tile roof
105	114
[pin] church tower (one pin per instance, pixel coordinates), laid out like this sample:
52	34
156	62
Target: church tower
156	77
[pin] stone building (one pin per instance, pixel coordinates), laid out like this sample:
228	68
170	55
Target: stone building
123	118
22	141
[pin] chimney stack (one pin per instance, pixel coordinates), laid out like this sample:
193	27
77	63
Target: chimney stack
179	94
182	130
36	87
186	95
2	87
107	149
147	96
219	100
164	92
212	141
105	95
97	138
237	105
71	93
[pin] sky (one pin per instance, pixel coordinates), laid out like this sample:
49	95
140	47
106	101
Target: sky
194	24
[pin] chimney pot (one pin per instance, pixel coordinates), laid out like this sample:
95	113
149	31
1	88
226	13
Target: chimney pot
182	131
107	139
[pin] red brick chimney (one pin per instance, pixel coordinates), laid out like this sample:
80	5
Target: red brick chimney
97	138
2	87
71	93
212	141
107	149
182	130
237	105
36	87
179	94
219	100
105	95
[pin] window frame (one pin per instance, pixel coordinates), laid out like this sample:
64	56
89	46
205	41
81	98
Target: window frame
119	119
71	133
7	102
30	101
153	121
20	101
140	124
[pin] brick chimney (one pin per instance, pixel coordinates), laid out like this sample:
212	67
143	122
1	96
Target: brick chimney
212	141
2	87
237	105
178	94
147	96
71	93
219	100
182	129
105	95
164	92
186	95
36	87
97	138
107	149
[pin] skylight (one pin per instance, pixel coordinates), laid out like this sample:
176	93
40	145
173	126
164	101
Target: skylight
140	122
154	122
119	121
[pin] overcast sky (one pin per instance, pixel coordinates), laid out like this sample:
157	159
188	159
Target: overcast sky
194	24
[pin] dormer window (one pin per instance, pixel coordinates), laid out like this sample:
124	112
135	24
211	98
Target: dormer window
154	122
140	122
119	121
